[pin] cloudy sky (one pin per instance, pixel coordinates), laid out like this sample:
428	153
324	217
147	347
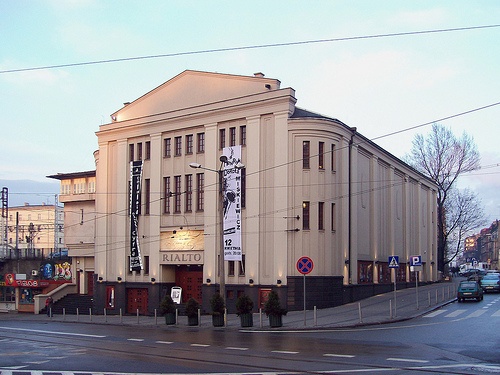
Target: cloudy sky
369	63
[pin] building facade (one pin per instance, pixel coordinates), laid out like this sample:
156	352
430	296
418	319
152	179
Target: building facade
311	186
33	258
78	195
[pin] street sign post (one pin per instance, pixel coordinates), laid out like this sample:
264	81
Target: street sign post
305	265
394	263
415	264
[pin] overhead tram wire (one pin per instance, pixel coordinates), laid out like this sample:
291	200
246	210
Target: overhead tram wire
104	215
258	46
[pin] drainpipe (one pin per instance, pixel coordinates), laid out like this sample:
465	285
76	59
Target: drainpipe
349	248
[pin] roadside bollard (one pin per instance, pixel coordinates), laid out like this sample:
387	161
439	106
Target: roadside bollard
90	314
137	316
359	312
77	314
315	316
64	313
105	316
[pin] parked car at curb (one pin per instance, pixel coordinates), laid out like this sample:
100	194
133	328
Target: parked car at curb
491	282
469	290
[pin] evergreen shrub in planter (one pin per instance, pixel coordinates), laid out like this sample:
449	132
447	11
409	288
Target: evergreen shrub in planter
244	306
273	309
167	309
218	309
192	307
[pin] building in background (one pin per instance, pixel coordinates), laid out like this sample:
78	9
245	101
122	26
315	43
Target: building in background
78	195
33	258
482	249
311	186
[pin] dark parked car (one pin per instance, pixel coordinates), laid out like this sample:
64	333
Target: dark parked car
491	282
469	290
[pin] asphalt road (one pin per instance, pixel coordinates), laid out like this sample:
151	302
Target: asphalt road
460	338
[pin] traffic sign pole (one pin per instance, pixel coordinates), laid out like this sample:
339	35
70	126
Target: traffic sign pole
304	265
304	280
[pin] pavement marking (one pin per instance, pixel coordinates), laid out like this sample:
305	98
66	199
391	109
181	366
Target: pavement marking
53	332
201	345
138	340
235	348
165	342
455	313
339	355
434	313
407	360
476	313
283	352
497	313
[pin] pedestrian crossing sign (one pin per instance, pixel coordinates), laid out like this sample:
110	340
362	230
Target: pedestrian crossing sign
394	261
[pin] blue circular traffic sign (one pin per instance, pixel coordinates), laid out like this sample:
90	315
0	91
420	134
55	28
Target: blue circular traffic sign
305	265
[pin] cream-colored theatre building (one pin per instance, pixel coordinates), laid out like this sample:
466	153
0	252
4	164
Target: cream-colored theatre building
312	187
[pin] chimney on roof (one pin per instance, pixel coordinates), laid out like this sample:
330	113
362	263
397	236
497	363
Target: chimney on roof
258	75
126	104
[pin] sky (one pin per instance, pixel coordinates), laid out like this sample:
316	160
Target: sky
363	64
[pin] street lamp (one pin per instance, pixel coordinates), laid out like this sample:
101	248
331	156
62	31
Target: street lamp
223	161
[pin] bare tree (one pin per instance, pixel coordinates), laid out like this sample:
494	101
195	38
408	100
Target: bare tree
443	158
464	213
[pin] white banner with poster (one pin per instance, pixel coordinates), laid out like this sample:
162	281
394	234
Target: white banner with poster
135	204
231	191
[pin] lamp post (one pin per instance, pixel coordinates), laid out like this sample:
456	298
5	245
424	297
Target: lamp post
220	172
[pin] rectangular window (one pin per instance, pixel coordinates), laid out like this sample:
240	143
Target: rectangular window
321	217
201	143
147	195
222	138
146	265
131	152
305	215
139	151
365	272
306	154
321	155
178	146
200	192
91	186
333	217
232	136
332	157
110	297
148	151
167	152
177	194
241	271
189	144
243	135
166	195
230	270
189	193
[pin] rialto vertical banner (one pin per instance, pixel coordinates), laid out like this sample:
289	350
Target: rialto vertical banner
231	190
135	202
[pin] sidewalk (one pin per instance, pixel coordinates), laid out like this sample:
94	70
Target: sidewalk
380	309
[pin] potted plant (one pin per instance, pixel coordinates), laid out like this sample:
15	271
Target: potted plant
273	309
218	310
192	307
244	306
167	309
